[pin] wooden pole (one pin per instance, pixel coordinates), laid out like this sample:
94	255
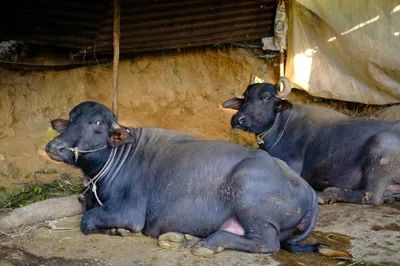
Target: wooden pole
281	67
116	40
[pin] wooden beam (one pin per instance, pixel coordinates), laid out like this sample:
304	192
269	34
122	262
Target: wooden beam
116	41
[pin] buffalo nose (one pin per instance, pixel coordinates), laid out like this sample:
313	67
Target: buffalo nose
55	146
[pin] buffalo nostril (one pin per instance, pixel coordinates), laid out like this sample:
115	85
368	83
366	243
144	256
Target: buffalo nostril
241	120
55	146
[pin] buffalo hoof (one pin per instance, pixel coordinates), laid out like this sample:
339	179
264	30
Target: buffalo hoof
369	199
118	232
330	195
321	200
125	232
173	240
205	252
325	200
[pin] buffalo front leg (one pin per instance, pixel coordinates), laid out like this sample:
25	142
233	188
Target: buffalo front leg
334	194
100	220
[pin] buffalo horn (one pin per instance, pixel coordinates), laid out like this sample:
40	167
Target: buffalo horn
286	88
115	125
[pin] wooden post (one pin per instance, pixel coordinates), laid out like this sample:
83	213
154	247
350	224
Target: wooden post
281	67
116	40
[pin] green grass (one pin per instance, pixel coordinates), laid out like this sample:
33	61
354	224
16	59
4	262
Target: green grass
234	135
65	185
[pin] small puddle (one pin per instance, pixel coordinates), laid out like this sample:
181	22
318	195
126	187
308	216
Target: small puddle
335	241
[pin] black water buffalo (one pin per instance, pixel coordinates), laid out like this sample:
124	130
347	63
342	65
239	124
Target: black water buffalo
159	181
349	159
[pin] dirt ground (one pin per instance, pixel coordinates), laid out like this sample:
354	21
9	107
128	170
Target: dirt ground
177	90
371	234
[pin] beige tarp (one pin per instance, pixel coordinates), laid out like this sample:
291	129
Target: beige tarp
345	50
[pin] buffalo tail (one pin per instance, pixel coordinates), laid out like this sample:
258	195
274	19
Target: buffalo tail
292	245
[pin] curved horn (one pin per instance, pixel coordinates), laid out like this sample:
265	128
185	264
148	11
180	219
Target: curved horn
115	125
287	87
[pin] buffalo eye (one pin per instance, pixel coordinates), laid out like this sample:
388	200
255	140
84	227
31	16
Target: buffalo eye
97	123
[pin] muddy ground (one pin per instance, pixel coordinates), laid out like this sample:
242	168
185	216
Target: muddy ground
177	90
371	234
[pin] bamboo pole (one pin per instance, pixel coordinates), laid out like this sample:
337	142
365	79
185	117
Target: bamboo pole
116	41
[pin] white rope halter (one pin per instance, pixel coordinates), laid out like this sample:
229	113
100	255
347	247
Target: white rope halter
99	175
76	151
260	136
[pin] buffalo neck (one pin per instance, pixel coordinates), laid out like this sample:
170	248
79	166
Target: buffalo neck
275	134
92	163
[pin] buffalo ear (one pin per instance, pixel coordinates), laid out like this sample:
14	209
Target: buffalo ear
234	103
59	125
283	105
121	136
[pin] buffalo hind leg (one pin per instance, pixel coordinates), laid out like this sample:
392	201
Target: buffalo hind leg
381	167
380	170
267	242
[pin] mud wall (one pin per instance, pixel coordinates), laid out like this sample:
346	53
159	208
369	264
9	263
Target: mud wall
180	90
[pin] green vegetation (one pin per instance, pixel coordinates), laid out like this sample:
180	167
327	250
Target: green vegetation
175	70
235	135
251	144
65	185
44	133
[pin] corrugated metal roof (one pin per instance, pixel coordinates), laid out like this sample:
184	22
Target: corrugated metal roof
64	23
145	25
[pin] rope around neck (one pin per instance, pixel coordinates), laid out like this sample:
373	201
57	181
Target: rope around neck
99	175
76	151
260	136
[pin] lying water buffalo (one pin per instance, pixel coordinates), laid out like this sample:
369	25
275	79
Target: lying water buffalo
350	159
159	181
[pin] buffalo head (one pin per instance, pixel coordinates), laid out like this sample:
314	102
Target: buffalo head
91	126
260	104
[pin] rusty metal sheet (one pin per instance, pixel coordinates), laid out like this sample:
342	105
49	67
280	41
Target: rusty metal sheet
146	25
